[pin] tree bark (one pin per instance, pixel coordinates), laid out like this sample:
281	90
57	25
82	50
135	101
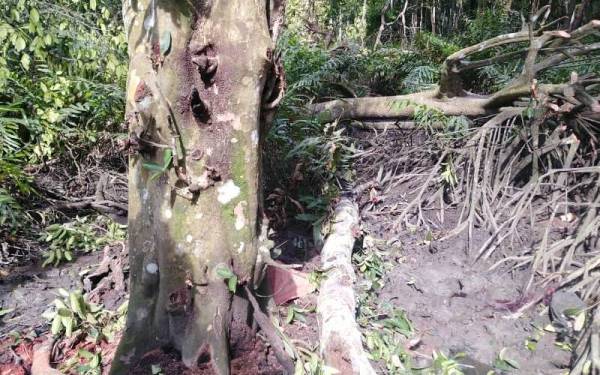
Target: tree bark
197	76
340	339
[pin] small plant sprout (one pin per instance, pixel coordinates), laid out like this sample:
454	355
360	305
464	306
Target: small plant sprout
503	363
159	169
230	278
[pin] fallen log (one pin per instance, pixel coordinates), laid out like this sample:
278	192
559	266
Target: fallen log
341	344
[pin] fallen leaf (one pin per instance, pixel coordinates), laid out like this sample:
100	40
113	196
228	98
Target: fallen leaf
288	284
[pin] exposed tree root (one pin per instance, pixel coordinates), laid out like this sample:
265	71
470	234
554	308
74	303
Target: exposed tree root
341	344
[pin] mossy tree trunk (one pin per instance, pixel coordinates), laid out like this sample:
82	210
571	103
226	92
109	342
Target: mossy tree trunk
200	74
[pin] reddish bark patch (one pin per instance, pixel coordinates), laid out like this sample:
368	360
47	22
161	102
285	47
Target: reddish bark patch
141	91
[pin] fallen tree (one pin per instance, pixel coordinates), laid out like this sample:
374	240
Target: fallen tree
527	159
540	49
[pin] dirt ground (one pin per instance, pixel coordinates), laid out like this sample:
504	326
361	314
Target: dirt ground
456	304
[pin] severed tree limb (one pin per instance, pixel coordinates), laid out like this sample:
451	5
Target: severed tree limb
546	49
341	344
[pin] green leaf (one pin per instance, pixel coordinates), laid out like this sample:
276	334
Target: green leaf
76	304
155	369
19	44
68	323
232	284
224	272
56	325
34	16
95	362
85	354
165	43
153	167
93	4
167	158
572	312
5	311
25	61
290	315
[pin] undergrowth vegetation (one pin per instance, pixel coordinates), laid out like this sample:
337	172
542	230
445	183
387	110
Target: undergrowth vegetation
61	77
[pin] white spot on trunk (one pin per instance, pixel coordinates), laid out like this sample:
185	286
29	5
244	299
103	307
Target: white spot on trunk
152	268
126	359
254	137
141	313
145	195
179	250
209	328
144	104
168	214
234	140
199	216
189	238
209	151
227	192
240	218
241	248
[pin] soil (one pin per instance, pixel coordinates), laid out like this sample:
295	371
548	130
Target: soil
30	290
455	303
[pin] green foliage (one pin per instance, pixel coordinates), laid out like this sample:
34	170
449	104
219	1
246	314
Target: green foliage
445	365
82	235
385	339
159	169
295	313
322	155
72	313
62	70
503	363
488	24
230	278
314	73
10	210
85	363
433	47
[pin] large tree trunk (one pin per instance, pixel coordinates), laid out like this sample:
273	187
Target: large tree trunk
198	74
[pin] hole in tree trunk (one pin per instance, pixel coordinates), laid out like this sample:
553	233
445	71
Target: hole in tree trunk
199	108
206	61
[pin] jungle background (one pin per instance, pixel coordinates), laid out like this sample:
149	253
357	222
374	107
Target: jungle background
63	187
